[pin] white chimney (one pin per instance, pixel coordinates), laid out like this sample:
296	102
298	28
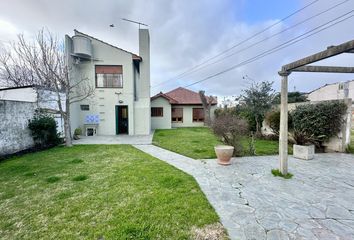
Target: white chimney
144	52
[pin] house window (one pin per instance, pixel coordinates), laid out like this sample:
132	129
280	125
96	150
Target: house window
177	114
109	76
156	112
85	107
198	115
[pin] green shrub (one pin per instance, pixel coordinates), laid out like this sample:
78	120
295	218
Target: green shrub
230	129
44	130
78	131
272	118
316	123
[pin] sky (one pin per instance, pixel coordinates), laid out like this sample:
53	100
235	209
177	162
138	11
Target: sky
186	33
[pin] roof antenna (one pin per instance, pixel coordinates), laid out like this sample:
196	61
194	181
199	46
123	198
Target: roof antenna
139	23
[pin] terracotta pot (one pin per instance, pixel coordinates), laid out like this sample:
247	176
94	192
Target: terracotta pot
224	154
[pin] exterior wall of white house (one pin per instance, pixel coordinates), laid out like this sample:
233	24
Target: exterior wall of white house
105	100
163	122
142	102
330	92
188	116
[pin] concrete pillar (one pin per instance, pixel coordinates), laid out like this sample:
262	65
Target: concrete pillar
283	135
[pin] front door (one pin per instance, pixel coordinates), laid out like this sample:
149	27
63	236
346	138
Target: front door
121	119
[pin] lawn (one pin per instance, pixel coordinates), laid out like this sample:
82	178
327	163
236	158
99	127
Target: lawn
199	142
98	192
350	148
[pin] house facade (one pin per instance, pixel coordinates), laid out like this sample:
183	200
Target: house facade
121	82
334	91
178	108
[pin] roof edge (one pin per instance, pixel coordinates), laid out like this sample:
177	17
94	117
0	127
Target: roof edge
134	56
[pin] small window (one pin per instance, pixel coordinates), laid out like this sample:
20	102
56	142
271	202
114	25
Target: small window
198	115
177	115
85	107
109	76
156	112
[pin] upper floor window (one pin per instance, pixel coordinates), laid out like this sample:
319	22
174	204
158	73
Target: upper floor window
156	112
109	76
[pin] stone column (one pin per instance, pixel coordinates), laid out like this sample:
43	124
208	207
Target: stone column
283	134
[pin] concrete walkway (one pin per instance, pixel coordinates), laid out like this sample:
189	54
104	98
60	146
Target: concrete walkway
317	203
115	139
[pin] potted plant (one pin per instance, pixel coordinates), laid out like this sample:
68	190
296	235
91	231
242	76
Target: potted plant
229	128
303	149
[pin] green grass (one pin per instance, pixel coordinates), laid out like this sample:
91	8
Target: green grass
199	142
350	148
122	193
277	173
194	142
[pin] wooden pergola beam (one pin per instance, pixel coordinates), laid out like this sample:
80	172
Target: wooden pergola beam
326	69
330	52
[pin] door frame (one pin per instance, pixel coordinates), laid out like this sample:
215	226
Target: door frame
117	108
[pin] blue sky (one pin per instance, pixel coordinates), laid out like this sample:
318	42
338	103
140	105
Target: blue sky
256	11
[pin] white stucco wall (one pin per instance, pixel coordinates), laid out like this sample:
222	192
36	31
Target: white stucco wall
165	121
331	92
142	101
188	116
105	99
19	94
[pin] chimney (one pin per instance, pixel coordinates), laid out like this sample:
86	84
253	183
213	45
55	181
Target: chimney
144	52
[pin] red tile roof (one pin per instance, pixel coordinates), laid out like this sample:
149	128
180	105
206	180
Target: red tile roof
182	96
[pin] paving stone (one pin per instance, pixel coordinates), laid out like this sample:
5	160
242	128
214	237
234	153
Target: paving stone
315	204
338	212
254	232
277	235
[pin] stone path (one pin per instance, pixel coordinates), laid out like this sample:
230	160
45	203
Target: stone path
317	203
115	139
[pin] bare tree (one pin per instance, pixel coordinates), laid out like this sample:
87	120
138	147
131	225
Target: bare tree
207	102
43	62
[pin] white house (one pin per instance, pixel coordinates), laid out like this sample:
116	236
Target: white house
121	79
332	91
178	108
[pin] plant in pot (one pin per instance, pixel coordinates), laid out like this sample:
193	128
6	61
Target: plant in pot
230	129
77	133
304	147
314	124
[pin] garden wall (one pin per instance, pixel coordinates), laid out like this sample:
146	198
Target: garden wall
14	133
335	144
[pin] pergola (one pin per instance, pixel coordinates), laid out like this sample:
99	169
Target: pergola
302	65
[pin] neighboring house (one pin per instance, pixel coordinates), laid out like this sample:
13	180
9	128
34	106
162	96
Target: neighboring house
17	106
334	91
121	79
178	108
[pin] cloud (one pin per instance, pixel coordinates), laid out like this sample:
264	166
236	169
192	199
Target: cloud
184	33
